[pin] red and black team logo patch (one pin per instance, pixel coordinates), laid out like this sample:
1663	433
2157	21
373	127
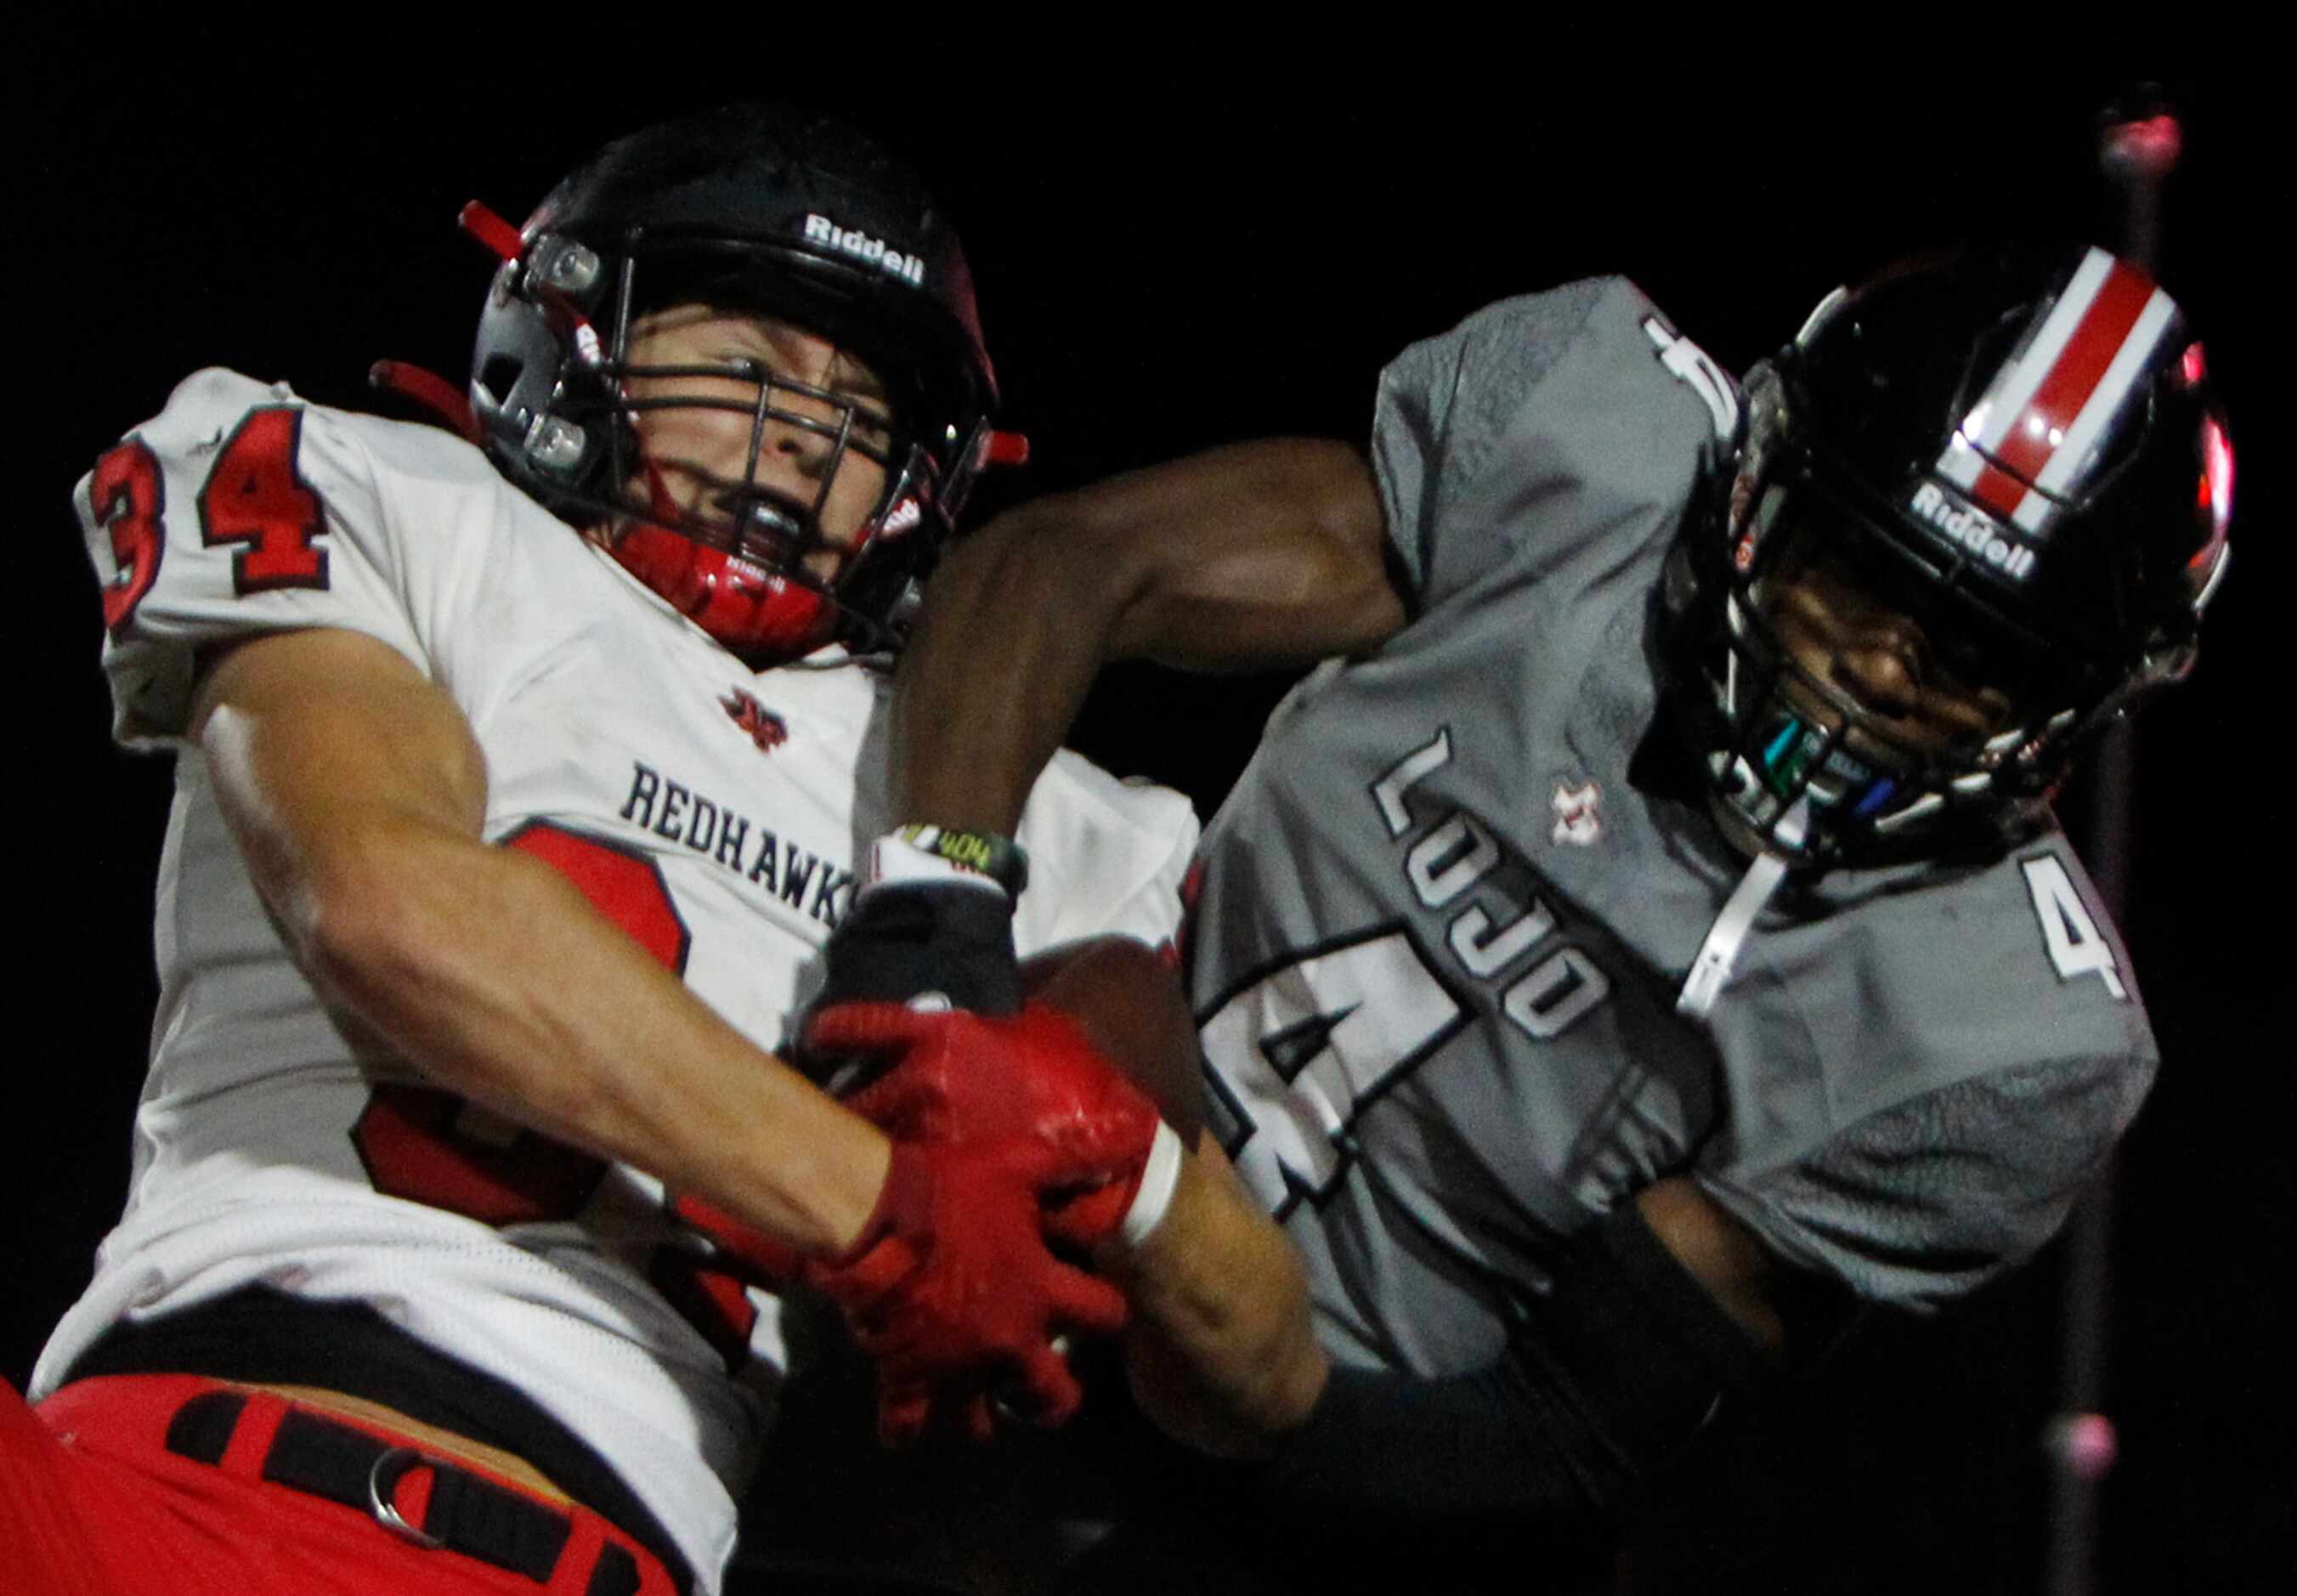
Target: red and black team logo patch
767	729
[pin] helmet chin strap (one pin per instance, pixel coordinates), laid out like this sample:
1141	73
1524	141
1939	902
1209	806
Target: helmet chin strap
1720	952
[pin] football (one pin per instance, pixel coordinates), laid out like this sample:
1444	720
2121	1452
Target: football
1128	999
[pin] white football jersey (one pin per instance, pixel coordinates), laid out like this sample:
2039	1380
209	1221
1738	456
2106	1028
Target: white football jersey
716	812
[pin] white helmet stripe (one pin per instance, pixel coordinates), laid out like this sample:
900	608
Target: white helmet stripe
2050	403
2013	388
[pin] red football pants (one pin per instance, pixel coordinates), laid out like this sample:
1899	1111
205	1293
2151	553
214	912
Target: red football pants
93	1504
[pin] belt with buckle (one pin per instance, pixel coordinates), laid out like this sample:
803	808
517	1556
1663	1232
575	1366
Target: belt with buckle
467	1512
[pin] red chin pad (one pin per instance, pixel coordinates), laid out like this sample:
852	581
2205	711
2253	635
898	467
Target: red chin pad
750	611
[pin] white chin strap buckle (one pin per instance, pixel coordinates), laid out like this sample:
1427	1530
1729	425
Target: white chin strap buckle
1720	952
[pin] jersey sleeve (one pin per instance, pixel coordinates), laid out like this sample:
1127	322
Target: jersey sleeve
1923	1085
1539	425
1105	856
240	510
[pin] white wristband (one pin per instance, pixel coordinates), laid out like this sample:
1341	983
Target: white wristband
895	858
1158	1176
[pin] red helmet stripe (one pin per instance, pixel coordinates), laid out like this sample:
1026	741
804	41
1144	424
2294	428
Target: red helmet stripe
2029	434
2131	356
2032	437
1997	488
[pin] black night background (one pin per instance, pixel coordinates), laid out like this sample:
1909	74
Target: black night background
1166	262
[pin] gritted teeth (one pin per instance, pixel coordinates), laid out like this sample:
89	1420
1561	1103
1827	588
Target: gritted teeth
763	526
773	520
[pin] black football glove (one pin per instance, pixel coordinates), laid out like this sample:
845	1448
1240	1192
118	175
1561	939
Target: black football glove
932	927
905	940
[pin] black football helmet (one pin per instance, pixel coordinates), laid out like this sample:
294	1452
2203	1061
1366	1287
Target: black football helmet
2016	449
754	209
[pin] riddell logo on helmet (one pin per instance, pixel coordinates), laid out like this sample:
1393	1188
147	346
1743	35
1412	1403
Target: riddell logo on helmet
1972	530
852	241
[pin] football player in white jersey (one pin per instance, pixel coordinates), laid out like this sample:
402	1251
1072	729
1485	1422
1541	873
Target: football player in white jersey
1645	936
522	777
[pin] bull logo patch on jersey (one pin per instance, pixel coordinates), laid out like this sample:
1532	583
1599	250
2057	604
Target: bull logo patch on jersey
1577	821
767	729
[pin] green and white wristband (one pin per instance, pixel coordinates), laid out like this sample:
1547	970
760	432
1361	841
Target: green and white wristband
941	854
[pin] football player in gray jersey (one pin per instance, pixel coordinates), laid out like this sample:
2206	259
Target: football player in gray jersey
1644	936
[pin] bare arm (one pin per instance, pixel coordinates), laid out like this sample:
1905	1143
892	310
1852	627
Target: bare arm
1221	1350
1221	1354
1218	1348
1721	1254
357	793
1254	556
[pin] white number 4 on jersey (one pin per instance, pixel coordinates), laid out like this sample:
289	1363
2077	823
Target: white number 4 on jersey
2076	945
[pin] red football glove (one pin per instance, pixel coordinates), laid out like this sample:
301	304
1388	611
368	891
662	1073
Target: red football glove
1033	1077
950	1290
958	1076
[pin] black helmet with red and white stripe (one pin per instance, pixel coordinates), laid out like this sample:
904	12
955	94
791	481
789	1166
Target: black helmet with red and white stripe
2018	448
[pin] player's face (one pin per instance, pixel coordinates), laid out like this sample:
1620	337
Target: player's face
1836	630
701	451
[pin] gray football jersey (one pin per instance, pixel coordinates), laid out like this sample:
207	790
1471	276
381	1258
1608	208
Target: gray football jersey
1439	934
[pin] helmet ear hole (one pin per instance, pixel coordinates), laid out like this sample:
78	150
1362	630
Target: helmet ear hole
499	377
2171	665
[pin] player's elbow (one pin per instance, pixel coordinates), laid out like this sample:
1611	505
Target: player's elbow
1334	488
1275	554
1091	557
